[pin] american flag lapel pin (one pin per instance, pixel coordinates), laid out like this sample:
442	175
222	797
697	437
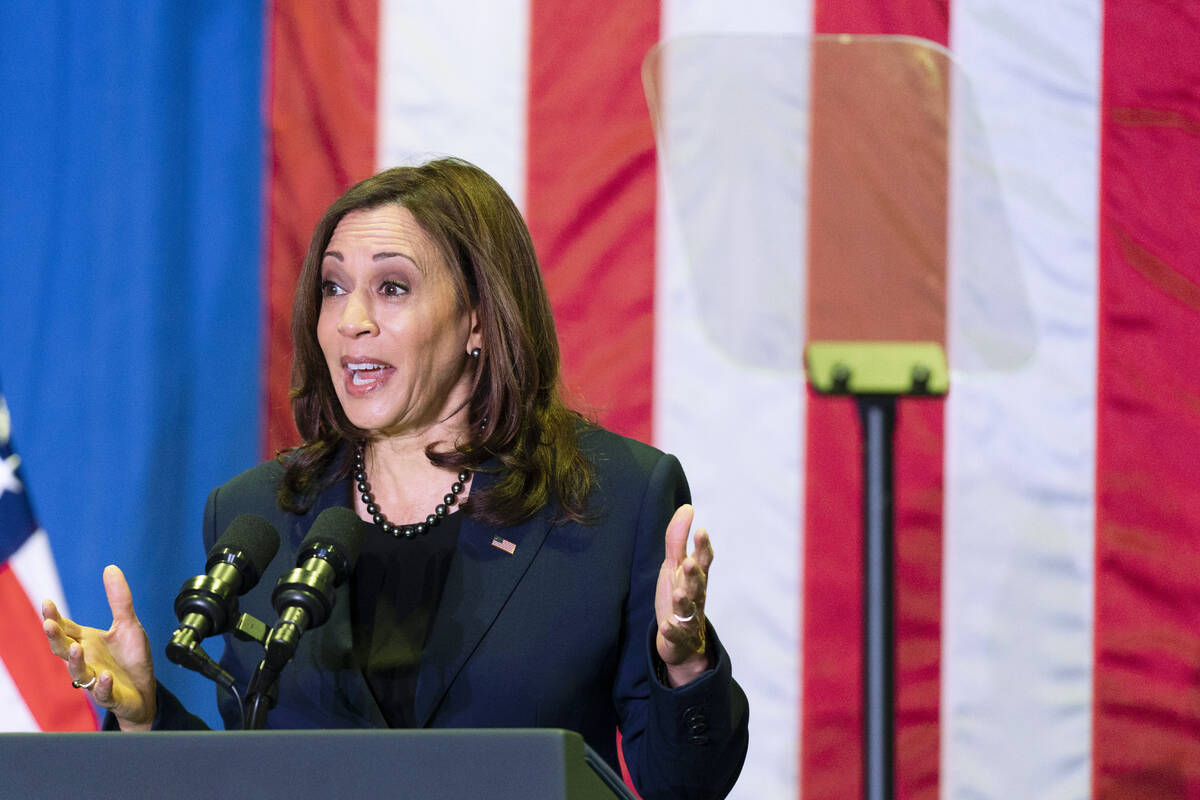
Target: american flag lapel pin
504	544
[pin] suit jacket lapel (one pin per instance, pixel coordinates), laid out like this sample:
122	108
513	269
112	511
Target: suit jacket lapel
481	578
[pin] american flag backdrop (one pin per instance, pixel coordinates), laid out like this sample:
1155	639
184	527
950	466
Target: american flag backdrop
165	169
35	693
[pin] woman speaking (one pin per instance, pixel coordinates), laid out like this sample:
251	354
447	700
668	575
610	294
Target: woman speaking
521	567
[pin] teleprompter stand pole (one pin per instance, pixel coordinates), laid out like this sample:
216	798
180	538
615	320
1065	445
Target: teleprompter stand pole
878	416
877	374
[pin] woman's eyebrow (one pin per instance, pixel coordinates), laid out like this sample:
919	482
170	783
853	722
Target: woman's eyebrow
386	254
382	256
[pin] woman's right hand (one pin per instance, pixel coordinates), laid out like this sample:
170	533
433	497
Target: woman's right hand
119	659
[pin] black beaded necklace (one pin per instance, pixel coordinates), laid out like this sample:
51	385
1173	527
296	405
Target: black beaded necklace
380	519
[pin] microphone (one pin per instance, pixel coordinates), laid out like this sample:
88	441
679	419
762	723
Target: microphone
208	604
303	598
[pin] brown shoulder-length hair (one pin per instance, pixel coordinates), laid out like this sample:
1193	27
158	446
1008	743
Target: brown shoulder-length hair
516	410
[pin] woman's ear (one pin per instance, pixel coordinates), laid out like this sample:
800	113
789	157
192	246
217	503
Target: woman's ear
475	339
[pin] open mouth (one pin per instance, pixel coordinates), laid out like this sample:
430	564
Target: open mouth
366	374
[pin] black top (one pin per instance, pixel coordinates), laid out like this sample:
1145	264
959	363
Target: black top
394	593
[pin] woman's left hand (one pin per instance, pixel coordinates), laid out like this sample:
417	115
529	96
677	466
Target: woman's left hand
679	600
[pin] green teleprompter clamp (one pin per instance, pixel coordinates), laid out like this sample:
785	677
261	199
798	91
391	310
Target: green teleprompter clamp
878	368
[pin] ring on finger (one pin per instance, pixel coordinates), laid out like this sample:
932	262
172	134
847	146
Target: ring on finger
87	685
688	618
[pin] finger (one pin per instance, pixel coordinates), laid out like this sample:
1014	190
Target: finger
102	692
49	610
684	608
69	628
76	665
692	572
702	549
677	534
676	634
120	599
692	580
59	642
684	640
686	636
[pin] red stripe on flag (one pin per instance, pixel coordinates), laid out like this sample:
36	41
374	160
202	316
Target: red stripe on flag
321	79
831	683
40	677
591	199
831	728
929	19
1146	724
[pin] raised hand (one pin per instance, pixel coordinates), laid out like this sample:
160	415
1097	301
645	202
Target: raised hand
679	600
115	666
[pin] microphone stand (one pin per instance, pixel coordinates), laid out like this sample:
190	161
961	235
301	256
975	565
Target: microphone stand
261	696
279	645
263	691
186	652
304	599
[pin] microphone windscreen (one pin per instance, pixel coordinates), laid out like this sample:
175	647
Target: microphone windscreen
338	528
255	538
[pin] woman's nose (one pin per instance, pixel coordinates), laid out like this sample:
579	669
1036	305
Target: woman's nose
356	318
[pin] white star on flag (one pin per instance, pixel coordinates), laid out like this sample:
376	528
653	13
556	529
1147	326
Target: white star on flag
9	465
8	474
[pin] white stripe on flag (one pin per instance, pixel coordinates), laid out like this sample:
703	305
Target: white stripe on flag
14	714
739	432
1017	602
453	80
33	567
33	564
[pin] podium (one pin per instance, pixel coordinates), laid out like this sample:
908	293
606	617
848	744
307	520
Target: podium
295	765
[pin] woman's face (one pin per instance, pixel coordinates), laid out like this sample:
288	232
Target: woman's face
395	339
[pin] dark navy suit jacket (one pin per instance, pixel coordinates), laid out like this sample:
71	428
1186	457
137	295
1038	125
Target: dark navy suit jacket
559	634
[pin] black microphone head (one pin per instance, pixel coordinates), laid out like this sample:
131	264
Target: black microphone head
255	539
337	537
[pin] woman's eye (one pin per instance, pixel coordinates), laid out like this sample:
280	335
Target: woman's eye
330	289
393	289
